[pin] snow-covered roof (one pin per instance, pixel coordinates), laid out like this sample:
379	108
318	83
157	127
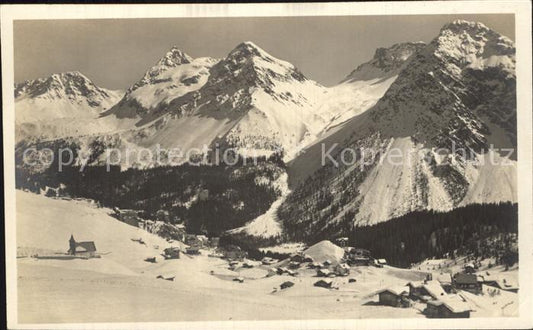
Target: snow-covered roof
416	284
434	289
399	290
454	305
85	247
443	278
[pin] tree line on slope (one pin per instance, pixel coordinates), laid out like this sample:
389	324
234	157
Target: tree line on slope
480	230
208	199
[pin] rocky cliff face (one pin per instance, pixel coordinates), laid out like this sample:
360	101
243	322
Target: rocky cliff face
451	100
386	61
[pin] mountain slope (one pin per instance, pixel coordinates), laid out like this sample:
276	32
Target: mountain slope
174	75
249	100
457	92
353	96
365	85
60	105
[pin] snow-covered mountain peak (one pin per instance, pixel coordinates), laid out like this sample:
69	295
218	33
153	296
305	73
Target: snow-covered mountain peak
49	100
451	101
246	50
463	25
386	61
174	57
72	86
437	94
174	75
473	44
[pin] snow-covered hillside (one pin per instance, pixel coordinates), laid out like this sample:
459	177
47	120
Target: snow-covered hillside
457	93
55	290
63	95
61	105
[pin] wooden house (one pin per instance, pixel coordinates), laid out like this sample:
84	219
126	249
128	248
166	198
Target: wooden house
468	282
395	297
447	308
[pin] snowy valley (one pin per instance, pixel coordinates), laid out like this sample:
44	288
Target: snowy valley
430	184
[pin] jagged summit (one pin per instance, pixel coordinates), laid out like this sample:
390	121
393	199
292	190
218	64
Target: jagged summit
174	57
386	61
69	74
473	45
391	57
461	25
69	84
61	95
248	49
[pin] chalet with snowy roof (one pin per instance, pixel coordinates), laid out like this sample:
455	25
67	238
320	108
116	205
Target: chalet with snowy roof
447	308
434	290
497	282
468	282
82	249
395	297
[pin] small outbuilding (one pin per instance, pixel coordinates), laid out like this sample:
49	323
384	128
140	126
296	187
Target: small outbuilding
172	253
193	250
324	284
294	265
323	272
342	270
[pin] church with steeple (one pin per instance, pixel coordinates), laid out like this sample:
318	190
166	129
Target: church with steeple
82	249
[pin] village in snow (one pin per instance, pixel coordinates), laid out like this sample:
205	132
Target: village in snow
308	169
81	262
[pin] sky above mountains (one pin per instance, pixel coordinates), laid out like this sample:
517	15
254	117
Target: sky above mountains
115	53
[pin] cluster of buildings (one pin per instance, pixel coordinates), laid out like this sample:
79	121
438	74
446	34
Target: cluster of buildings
439	292
358	256
432	292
